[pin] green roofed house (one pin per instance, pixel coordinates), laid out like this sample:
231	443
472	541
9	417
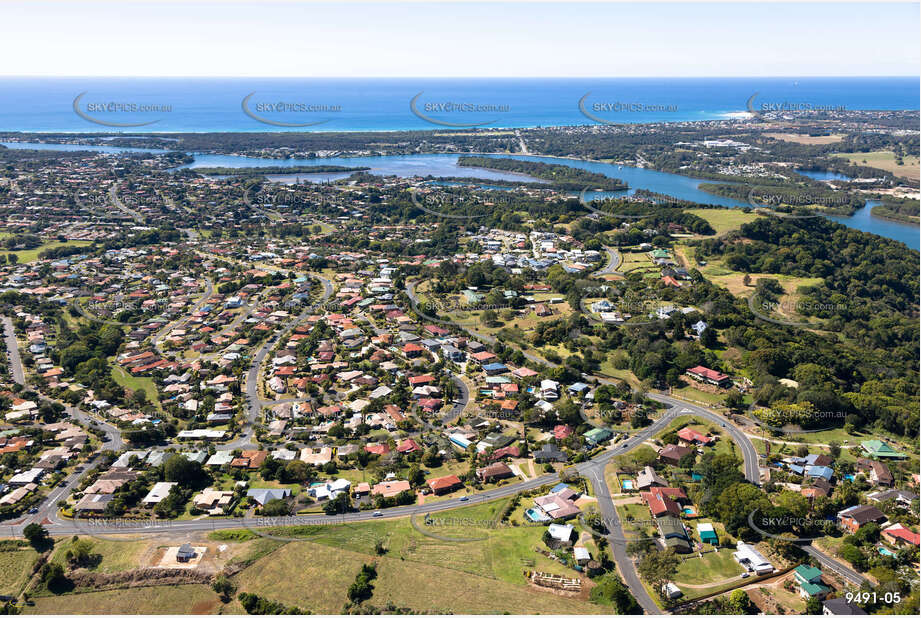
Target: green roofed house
659	254
809	579
597	435
708	534
881	450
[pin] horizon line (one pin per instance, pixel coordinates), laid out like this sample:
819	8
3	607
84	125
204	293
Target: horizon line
806	76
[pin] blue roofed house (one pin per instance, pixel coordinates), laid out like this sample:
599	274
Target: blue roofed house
819	472
578	389
494	368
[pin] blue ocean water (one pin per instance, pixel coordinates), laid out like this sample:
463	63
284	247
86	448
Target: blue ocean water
365	104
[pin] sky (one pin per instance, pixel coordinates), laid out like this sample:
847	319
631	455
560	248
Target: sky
461	39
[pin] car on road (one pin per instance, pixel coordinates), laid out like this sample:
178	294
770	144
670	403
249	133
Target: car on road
33	510
464	498
378	514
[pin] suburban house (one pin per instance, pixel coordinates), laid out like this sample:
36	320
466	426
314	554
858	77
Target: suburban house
445	484
878	449
709	376
854	517
648	477
672	453
674	534
494	472
841	607
809	580
751	559
900	536
691	436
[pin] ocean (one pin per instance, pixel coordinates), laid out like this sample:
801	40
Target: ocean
157	105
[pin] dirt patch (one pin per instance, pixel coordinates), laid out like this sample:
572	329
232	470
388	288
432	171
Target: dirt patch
138	577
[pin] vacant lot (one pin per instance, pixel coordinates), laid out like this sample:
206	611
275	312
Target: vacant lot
724	219
115	555
318	576
884	160
185	599
712	568
801	138
15	566
30	255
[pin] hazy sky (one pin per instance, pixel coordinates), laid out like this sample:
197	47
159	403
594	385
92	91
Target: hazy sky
381	39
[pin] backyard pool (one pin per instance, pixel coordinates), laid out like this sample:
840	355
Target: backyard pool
535	515
689	511
627	484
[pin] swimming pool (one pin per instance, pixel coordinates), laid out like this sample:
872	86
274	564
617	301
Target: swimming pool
627	484
535	515
689	511
884	551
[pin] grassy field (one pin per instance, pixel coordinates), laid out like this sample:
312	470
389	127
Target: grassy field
14	569
810	140
30	255
319	576
712	568
724	219
116	555
884	160
135	383
457	564
184	599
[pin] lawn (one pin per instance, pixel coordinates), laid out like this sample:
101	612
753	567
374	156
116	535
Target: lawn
724	219
884	160
15	566
31	255
116	555
712	568
135	383
183	599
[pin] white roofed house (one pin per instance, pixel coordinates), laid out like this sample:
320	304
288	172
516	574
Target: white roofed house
157	493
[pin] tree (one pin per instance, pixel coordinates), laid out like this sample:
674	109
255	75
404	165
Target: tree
658	567
186	472
37	536
224	587
276	508
612	591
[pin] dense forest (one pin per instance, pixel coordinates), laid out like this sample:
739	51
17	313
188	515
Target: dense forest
561	177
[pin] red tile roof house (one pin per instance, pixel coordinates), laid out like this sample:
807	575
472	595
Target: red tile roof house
561	432
411	350
507	451
445	484
899	535
389	489
660	505
691	436
709	376
380	448
408	446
